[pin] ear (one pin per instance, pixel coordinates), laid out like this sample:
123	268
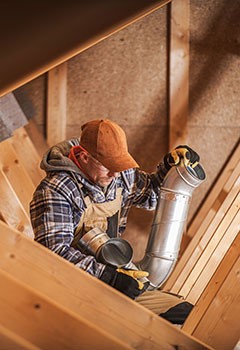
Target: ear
83	157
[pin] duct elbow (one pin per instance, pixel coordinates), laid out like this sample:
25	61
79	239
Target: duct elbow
159	269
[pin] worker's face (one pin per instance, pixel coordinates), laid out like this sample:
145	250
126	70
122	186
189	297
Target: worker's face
96	171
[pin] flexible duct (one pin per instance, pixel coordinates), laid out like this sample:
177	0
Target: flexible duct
169	222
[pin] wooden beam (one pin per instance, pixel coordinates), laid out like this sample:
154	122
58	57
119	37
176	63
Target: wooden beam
220	326
214	286
60	283
220	190
45	323
57	104
17	175
213	254
201	252
11	209
178	72
10	341
205	231
27	154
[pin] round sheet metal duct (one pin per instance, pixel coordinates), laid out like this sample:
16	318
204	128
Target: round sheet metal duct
169	222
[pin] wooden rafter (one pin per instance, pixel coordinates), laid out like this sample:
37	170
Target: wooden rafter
27	155
217	205
214	318
46	281
219	191
57	104
178	72
11	209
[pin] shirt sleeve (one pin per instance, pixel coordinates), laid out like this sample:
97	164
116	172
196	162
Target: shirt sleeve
52	221
144	187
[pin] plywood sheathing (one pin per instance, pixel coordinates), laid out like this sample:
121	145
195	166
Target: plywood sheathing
214	124
11	116
32	99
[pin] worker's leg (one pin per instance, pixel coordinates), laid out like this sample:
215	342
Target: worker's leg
171	307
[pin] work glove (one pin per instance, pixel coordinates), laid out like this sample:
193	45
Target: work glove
182	152
126	281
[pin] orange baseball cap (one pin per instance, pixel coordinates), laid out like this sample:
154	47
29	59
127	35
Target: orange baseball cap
106	141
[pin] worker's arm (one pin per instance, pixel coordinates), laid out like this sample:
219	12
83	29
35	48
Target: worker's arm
143	188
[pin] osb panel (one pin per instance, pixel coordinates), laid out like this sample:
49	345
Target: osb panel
123	77
214	69
215	144
32	99
214	120
11	116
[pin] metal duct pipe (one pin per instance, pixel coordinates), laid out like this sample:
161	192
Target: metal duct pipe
170	222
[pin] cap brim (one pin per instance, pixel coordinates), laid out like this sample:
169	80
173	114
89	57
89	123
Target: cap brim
119	164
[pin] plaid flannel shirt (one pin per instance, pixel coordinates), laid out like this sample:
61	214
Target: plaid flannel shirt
58	204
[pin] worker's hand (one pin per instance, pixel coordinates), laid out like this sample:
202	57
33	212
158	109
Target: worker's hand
182	152
137	275
126	281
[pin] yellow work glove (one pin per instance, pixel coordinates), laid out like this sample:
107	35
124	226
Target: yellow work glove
126	280
136	274
182	152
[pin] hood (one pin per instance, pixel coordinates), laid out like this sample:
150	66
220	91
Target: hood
56	159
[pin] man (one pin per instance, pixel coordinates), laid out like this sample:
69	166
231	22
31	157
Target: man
92	182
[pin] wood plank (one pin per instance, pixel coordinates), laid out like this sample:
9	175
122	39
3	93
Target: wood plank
221	241
220	326
45	323
215	259
11	209
65	284
10	341
213	287
11	114
57	104
179	73
219	190
232	185
17	175
200	240
27	154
